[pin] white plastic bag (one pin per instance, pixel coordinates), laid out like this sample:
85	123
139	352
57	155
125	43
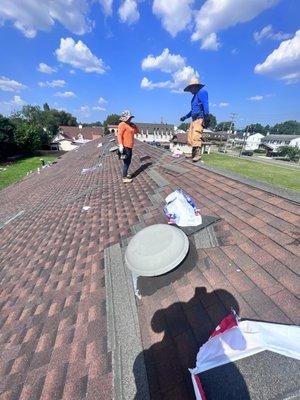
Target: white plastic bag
181	209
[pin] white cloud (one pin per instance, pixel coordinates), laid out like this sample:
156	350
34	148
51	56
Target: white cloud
46	69
178	82
102	101
165	62
79	56
72	72
217	15
65	94
175	14
128	12
98	108
9	85
30	16
284	62
255	98
211	42
106	6
52	84
85	111
18	101
234	51
223	104
268	33
173	64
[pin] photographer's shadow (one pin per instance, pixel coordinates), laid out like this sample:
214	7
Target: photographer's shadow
185	327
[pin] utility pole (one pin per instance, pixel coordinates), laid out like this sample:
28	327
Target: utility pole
233	117
245	137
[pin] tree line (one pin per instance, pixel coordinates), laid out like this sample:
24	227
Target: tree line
31	129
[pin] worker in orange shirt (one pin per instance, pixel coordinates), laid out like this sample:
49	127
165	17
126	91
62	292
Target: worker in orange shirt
126	132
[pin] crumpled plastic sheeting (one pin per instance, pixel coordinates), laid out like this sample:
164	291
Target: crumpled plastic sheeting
91	169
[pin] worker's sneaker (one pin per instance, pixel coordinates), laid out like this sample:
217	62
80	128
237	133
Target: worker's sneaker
127	180
129	176
188	155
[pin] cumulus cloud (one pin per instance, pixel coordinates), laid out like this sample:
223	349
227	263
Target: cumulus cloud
52	84
16	101
98	108
106	6
46	69
174	64
30	16
284	62
78	55
255	98
128	12
178	82
165	62
10	85
215	15
65	94
175	15
211	42
268	33
223	104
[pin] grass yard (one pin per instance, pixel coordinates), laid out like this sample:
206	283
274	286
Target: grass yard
17	170
276	175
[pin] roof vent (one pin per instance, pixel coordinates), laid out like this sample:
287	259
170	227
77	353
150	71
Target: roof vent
156	250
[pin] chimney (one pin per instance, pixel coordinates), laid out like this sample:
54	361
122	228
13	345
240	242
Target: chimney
80	126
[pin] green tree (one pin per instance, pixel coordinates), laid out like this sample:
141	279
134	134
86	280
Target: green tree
184	126
7	140
112	119
293	153
256	128
27	137
212	121
286	128
224	126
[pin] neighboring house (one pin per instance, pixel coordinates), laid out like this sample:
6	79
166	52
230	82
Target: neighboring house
272	142
221	136
70	137
180	142
159	133
113	129
253	141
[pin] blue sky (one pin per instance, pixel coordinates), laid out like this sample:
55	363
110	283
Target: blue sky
93	58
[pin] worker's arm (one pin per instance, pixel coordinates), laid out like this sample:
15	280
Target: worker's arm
121	130
186	116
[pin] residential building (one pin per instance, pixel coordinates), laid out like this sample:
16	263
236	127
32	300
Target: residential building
253	141
70	137
273	142
180	142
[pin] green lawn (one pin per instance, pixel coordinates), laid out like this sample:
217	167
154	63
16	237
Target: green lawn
276	175
17	170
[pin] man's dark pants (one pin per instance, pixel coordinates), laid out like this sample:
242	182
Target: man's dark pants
127	160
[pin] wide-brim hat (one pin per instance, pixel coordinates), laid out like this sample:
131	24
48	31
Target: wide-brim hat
126	115
193	82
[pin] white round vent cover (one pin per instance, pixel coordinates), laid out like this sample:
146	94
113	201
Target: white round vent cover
156	250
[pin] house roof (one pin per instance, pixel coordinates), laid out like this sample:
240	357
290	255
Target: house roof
87	132
55	318
152	126
281	137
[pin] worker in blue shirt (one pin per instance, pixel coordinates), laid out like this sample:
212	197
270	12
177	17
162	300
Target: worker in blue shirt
199	113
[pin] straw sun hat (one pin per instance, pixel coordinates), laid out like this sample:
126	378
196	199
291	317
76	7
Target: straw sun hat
193	82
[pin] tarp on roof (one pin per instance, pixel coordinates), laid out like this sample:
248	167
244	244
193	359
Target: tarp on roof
235	340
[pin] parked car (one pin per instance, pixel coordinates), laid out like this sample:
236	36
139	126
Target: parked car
247	153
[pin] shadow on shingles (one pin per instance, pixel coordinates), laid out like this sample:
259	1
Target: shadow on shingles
142	168
149	285
167	361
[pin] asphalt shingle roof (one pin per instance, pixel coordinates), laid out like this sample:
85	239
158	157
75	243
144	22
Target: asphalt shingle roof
53	335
